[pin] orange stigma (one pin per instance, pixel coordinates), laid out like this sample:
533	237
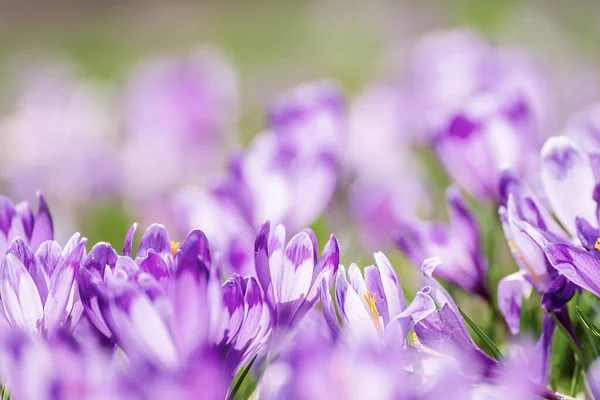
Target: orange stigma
174	247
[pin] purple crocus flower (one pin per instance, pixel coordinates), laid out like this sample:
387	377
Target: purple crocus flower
584	128
169	303
522	215
565	169
445	331
493	130
446	69
373	307
458	244
290	274
20	221
38	289
382	193
178	116
53	106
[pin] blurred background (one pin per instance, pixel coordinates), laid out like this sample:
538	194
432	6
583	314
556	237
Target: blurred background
98	99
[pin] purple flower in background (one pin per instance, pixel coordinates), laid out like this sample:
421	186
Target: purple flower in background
584	128
287	175
290	274
51	108
447	68
37	289
458	244
385	191
178	116
373	307
491	131
20	221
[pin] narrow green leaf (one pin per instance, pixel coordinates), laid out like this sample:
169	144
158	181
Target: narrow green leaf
239	382
575	379
592	332
492	348
576	349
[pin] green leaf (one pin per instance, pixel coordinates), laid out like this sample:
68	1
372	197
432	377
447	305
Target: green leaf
591	331
492	348
576	349
240	380
587	322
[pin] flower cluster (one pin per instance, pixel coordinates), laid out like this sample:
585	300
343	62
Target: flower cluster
240	300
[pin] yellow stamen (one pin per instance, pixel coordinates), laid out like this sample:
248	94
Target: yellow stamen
373	309
597	245
174	247
535	277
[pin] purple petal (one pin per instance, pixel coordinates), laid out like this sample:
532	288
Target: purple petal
539	363
101	255
293	279
357	321
61	289
127	245
420	308
154	265
42	228
577	265
232	313
22	252
329	311
261	261
155	238
194	255
7	213
20	297
511	291
92	296
391	286
25	214
142	331
375	287
566	170
326	267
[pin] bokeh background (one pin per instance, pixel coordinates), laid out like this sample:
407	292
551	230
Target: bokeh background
274	45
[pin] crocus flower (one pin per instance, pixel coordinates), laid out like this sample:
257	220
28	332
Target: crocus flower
373	307
382	193
444	330
178	116
458	244
491	131
20	221
448	68
290	274
287	175
38	288
521	214
52	107
565	169
163	308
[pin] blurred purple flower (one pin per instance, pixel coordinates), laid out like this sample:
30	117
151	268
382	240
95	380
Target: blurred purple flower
491	131
372	308
178	117
458	244
447	68
61	368
37	289
387	185
53	108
